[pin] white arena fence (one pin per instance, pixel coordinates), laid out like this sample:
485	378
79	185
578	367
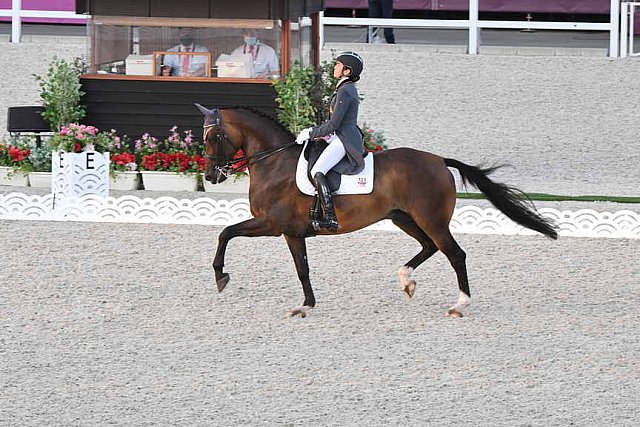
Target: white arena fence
620	25
627	26
474	25
207	211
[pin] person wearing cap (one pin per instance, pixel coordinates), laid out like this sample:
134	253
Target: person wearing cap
186	65
342	134
265	60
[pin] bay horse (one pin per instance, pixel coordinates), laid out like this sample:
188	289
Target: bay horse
412	188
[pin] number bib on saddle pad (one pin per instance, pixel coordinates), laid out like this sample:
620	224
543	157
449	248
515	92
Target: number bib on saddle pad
361	183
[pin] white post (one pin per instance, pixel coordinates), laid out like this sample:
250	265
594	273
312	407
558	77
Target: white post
624	21
632	24
321	29
473	27
16	30
614	32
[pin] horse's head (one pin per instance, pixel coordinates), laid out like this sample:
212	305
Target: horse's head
221	144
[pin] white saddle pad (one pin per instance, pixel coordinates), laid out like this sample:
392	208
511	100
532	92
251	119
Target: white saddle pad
361	183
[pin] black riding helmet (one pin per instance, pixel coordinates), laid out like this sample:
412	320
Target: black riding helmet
352	61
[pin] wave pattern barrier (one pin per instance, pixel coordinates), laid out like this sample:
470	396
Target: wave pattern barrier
206	211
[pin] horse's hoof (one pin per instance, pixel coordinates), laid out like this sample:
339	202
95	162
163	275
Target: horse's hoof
452	312
222	282
409	289
298	311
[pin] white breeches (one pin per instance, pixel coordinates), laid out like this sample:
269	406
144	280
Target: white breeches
330	156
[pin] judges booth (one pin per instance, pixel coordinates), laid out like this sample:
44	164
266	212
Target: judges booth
137	81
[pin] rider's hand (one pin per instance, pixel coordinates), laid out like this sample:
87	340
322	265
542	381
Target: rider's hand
303	136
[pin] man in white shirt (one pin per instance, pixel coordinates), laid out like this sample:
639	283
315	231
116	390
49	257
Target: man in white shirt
265	60
187	65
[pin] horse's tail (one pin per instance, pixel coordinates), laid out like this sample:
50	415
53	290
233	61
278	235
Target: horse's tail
510	201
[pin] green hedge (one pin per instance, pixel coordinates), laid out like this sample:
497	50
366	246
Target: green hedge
542	197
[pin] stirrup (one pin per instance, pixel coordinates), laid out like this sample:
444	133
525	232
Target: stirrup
329	224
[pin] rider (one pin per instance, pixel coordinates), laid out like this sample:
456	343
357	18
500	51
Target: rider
342	134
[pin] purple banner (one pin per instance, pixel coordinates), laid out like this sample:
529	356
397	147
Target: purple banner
48	5
547	6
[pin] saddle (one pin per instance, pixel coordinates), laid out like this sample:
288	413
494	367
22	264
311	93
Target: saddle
361	183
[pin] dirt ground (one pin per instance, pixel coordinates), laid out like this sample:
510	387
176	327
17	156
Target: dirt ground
121	324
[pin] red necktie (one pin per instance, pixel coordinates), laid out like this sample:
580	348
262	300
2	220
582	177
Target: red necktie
251	52
185	61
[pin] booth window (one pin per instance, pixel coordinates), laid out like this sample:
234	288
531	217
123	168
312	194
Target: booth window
152	47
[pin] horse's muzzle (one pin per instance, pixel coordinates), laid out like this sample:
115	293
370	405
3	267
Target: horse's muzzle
216	177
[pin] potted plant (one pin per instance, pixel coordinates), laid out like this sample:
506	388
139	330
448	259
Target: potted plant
123	163
171	171
14	163
123	172
172	164
40	158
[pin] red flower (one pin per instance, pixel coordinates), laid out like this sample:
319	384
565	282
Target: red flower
18	155
150	162
240	166
123	158
200	161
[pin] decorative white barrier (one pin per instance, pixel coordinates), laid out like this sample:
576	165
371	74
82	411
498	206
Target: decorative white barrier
206	211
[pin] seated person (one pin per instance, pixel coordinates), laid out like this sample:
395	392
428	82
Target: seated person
186	65
265	60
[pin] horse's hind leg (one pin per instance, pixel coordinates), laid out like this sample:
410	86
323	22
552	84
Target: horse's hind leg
403	221
457	258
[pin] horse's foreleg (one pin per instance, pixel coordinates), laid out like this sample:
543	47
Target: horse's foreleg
250	228
298	248
403	221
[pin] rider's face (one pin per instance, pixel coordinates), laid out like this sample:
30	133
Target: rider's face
337	70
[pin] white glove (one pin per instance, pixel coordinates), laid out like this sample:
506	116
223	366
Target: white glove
303	136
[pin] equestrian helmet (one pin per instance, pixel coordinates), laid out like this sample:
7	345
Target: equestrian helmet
353	61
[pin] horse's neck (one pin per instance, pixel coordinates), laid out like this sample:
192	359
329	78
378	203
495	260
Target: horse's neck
262	136
283	161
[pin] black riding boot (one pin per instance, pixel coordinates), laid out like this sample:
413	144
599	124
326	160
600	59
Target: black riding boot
330	222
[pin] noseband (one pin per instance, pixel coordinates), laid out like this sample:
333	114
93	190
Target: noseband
224	166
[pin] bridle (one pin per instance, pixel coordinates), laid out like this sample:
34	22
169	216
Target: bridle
224	166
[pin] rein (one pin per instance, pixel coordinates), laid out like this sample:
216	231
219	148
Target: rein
228	165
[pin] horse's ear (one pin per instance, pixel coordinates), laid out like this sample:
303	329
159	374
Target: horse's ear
204	110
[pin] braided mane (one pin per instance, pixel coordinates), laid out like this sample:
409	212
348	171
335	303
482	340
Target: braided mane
262	114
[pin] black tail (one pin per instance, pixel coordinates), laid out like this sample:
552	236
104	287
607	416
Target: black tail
510	201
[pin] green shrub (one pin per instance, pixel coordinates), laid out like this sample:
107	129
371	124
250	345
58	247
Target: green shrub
60	93
304	95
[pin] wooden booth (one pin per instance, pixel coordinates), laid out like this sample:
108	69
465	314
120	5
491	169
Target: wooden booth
135	85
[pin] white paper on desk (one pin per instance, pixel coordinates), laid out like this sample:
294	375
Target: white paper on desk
235	65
